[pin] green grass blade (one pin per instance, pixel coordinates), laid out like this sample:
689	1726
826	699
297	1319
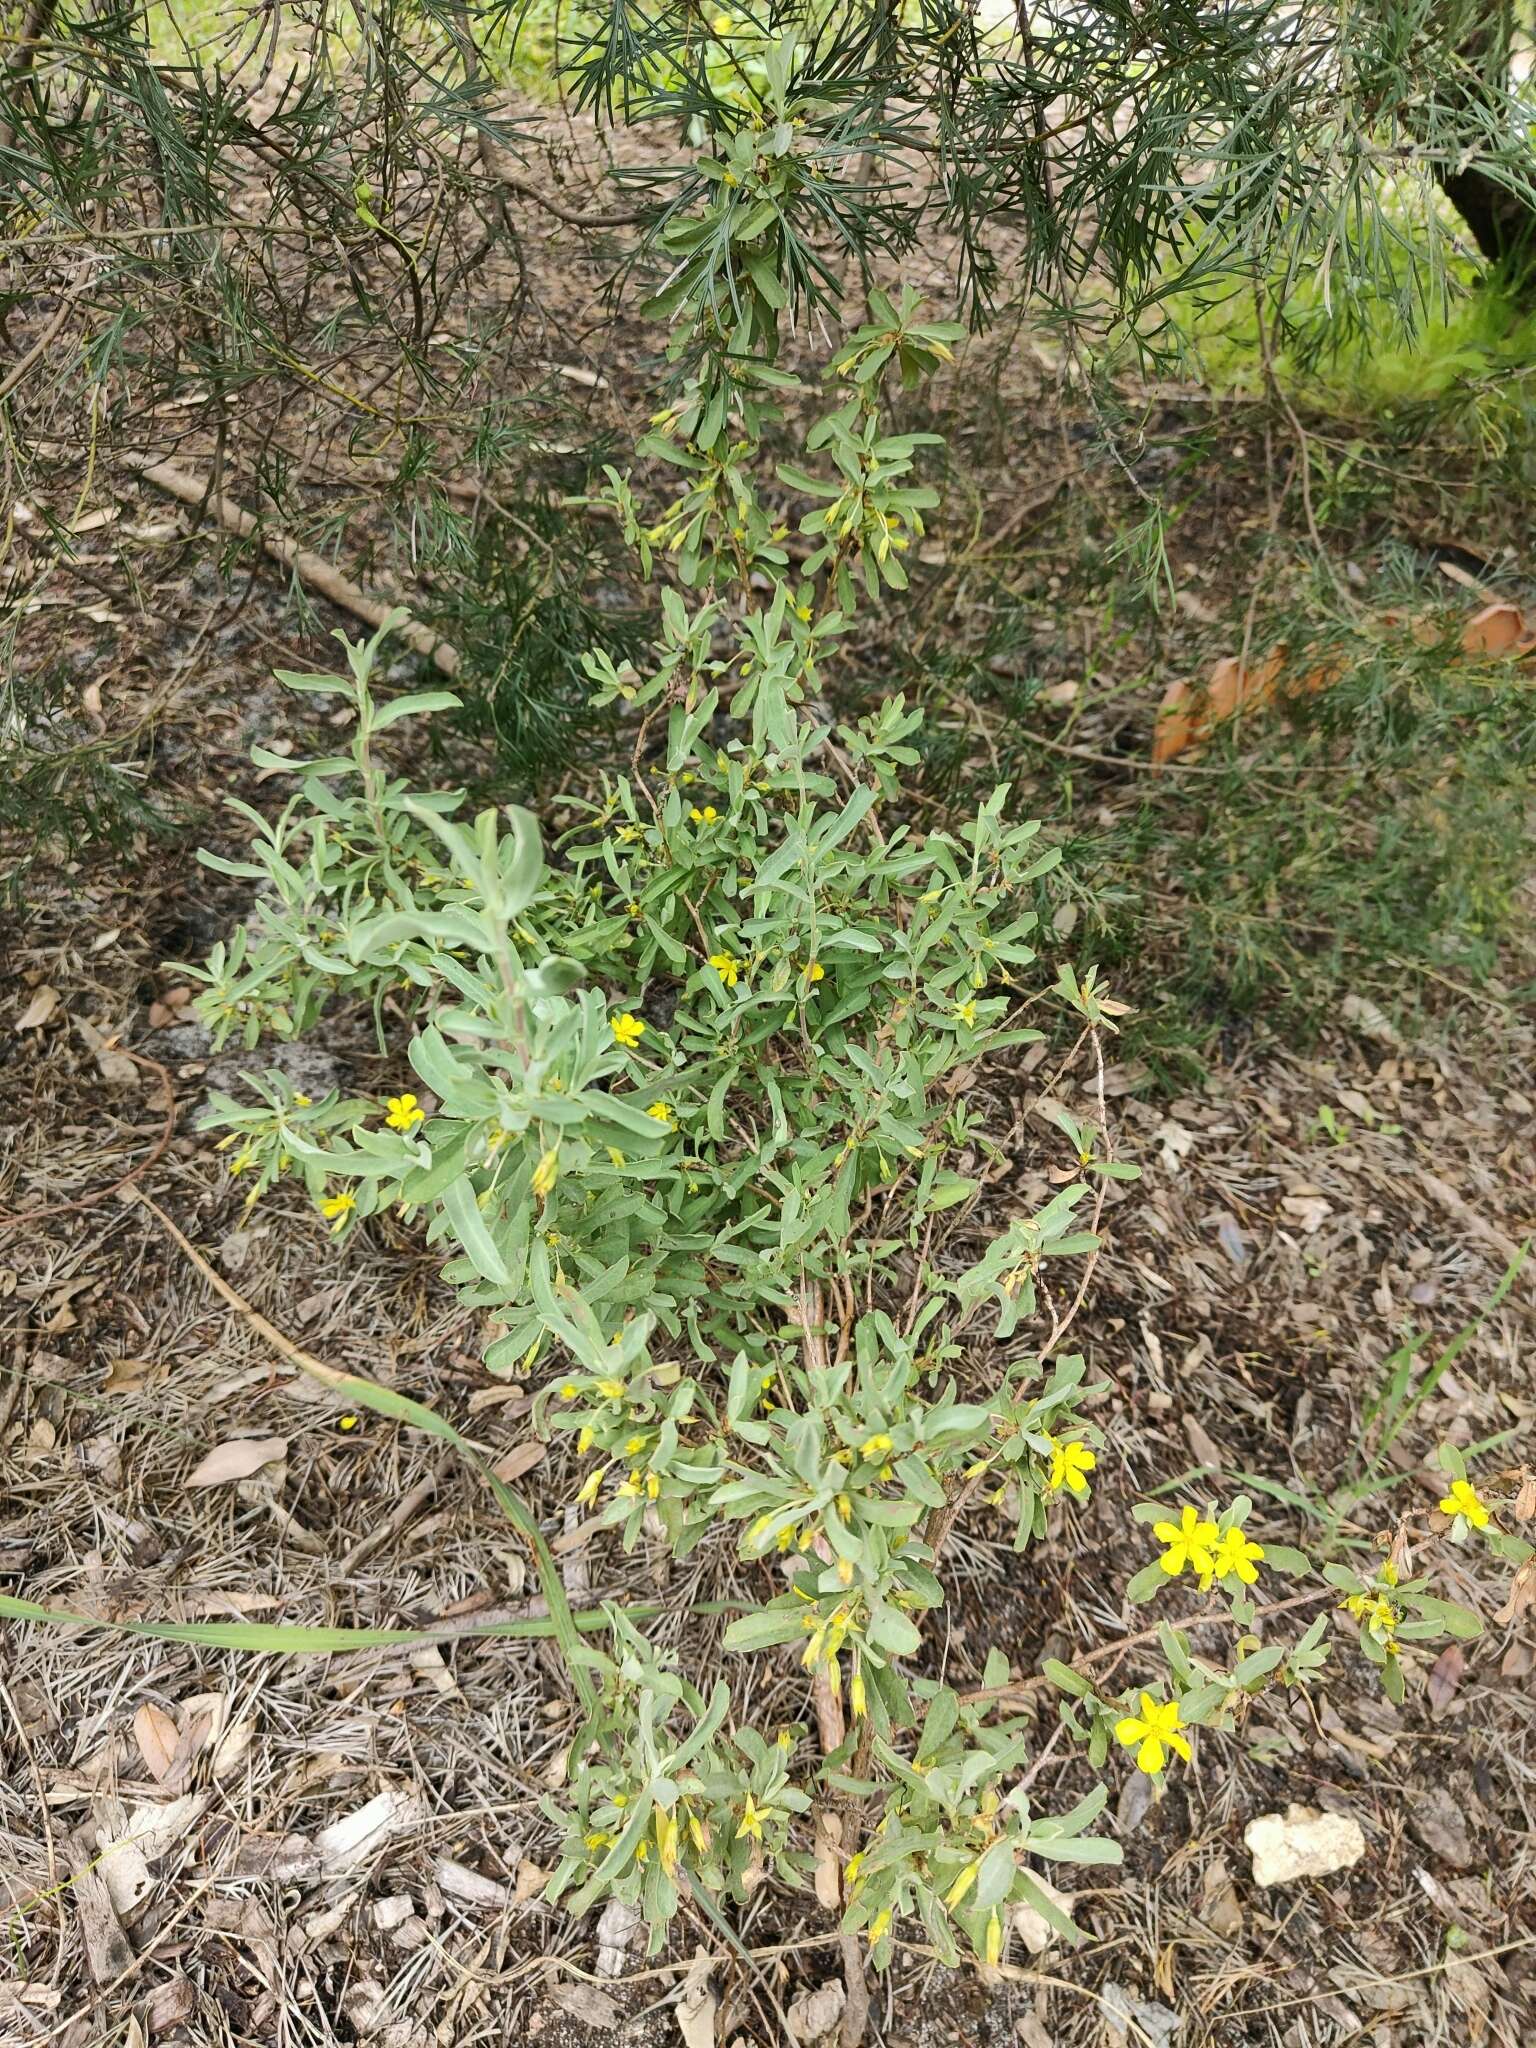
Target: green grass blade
284	1639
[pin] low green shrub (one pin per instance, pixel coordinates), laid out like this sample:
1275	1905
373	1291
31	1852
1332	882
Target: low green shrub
689	1113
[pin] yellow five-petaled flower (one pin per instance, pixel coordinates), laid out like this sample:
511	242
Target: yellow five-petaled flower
1464	1502
405	1113
727	966
1188	1541
1236	1556
337	1208
1152	1733
751	1822
705	817
1070	1463
661	1111
628	1029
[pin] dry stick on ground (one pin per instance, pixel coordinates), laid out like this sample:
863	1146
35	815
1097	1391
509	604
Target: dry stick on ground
310	568
17	373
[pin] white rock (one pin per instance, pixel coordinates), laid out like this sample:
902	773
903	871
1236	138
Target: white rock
815	2013
616	1927
1301	1842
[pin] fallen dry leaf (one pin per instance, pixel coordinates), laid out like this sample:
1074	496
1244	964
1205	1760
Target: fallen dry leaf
170	2005
616	1928
1203	1445
1496	629
155	1733
125	1873
231	1749
1031	1925
1468	1986
1437	1819
1310	1211
459	1882
238	1458
128	1375
45	1001
428	1661
1445	1676
829	1862
231	1603
1220	1907
1142	2021
1189	712
114	1067
520	1459
158	1825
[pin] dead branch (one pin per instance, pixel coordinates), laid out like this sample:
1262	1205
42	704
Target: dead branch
310	568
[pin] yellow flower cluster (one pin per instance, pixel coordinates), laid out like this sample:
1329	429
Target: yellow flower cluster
1375	1612
1212	1552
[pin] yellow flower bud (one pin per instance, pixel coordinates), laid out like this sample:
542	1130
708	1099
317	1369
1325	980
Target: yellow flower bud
994	1944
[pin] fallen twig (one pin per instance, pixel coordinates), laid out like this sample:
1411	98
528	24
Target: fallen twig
309	567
